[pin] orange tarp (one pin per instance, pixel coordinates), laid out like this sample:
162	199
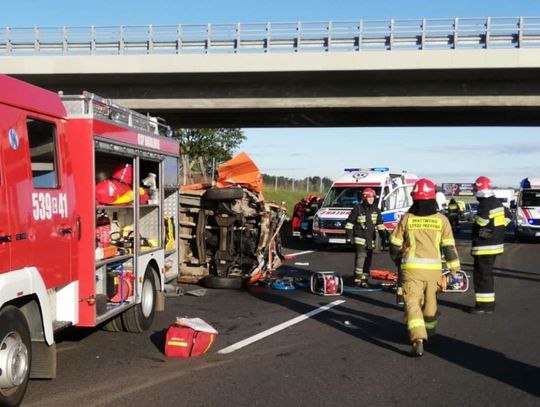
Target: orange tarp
240	170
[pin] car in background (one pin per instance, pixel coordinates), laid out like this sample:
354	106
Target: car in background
471	208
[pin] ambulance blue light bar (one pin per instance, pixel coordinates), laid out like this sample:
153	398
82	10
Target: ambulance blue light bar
380	169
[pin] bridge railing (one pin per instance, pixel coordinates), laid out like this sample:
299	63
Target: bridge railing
302	36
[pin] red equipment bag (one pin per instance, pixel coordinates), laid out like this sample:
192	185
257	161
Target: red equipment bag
185	342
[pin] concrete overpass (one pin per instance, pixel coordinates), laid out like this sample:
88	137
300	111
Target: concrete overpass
400	73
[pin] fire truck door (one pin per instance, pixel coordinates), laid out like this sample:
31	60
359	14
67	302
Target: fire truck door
52	230
5	230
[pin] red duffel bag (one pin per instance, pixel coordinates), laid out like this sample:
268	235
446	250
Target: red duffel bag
186	338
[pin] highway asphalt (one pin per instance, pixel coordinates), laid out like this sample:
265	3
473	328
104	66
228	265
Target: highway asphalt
356	353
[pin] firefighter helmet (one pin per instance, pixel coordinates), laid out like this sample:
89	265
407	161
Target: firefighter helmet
423	189
483	187
368	193
124	173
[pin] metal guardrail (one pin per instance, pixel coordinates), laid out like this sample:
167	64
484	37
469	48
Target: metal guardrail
363	35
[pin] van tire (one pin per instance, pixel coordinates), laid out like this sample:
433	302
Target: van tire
140	317
223	194
15	355
212	281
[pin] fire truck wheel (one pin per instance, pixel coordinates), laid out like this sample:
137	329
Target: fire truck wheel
140	317
223	194
113	325
15	356
222	282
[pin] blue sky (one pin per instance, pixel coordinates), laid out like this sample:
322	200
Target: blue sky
444	154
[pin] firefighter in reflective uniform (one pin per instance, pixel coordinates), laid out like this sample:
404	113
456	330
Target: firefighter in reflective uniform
416	244
365	219
454	211
487	242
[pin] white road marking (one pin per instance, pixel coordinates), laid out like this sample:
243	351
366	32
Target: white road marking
292	255
277	328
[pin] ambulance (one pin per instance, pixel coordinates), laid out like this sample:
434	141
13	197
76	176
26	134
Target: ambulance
83	242
393	199
527	218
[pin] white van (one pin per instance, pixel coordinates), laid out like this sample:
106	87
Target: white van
393	198
527	221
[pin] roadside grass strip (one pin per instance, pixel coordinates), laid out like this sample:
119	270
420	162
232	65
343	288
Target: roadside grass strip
277	328
293	255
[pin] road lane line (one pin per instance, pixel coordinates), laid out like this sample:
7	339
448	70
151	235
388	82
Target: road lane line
293	255
277	328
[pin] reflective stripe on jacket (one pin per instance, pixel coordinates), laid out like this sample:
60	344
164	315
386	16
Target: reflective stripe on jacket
418	240
488	227
363	221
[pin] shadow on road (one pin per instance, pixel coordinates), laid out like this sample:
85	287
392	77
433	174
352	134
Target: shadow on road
158	339
488	363
74	334
379	331
371	328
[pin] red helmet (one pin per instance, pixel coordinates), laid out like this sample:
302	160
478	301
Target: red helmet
424	189
483	187
124	173
368	193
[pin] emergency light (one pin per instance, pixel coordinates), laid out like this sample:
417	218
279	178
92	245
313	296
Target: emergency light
351	169
380	169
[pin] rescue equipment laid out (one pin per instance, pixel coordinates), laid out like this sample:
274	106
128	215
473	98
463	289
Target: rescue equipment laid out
189	337
384	277
326	283
283	284
454	284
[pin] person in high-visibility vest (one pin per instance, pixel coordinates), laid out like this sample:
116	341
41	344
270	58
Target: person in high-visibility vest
454	212
416	244
363	222
487	242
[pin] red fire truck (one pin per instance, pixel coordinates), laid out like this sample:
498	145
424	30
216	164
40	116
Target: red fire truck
58	155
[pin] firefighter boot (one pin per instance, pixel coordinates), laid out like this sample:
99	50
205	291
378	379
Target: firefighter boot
418	348
360	279
399	296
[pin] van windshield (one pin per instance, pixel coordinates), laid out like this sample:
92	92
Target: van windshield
346	197
530	198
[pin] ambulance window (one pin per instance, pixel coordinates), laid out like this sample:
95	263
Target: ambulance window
42	140
397	199
390	202
408	190
401	198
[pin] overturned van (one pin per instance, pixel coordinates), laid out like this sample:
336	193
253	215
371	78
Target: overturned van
393	198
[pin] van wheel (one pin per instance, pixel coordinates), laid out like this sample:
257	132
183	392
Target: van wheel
140	317
15	356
